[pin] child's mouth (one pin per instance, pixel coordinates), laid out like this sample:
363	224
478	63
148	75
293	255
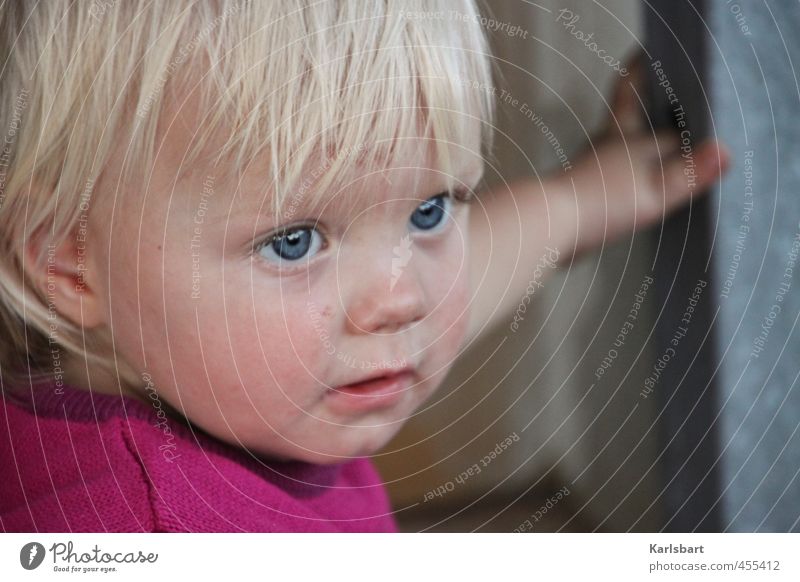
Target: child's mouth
377	391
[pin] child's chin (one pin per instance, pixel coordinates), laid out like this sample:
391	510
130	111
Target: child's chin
345	451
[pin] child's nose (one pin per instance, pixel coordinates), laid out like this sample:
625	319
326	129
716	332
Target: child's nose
386	295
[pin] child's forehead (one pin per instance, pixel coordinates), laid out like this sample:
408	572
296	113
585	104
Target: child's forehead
351	180
342	165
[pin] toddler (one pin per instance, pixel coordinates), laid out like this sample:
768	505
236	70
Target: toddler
242	244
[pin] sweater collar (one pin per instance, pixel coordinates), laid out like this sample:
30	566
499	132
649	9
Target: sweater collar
47	400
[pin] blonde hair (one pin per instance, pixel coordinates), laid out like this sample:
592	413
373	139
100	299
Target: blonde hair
291	78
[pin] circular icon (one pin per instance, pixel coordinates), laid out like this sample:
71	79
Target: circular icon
31	555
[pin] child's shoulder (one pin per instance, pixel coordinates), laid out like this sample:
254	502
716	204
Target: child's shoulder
95	462
68	465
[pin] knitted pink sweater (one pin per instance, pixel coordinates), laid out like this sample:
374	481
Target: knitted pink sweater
83	461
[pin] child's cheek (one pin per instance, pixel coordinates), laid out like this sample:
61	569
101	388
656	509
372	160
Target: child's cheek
455	313
244	357
282	339
453	293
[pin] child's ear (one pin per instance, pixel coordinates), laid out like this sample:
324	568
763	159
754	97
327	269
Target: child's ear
60	273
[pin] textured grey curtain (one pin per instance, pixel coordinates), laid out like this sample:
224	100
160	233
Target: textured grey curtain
754	68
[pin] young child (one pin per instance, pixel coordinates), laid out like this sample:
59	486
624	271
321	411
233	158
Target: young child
239	251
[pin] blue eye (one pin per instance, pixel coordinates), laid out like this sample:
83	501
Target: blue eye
291	245
432	212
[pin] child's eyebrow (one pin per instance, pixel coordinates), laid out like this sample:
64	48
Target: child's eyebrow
464	182
473	176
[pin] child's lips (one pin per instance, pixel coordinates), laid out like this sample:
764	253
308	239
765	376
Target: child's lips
379	390
380	374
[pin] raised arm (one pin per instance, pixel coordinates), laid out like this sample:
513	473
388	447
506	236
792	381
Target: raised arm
629	179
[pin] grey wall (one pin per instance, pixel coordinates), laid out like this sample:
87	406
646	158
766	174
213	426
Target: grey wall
754	81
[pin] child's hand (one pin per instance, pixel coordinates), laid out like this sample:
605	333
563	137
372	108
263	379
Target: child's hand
632	177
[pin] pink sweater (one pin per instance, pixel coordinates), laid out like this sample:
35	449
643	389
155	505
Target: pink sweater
87	462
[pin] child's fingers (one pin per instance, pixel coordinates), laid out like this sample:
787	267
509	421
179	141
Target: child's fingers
711	160
685	175
626	108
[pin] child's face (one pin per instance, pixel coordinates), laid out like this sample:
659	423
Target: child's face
251	350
